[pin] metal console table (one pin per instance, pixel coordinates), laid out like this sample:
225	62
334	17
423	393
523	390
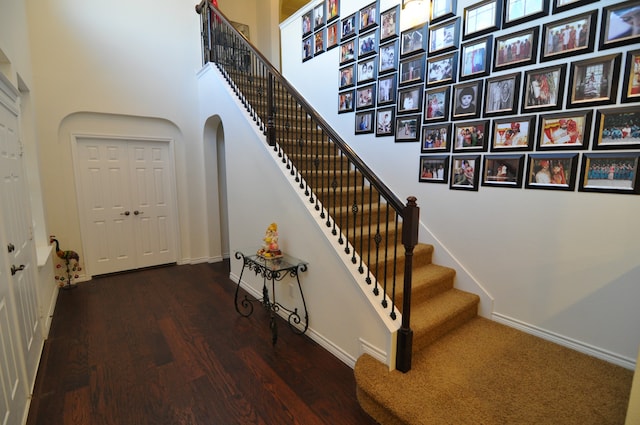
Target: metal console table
274	270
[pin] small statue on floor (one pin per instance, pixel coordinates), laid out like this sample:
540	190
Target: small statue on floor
271	248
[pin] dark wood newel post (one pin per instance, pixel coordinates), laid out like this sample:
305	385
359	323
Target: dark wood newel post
410	220
271	130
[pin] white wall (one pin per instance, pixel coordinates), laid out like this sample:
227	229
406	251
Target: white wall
559	264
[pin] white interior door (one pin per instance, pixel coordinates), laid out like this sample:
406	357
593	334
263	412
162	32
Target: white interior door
128	204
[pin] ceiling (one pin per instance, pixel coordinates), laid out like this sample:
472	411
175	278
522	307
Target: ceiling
289	7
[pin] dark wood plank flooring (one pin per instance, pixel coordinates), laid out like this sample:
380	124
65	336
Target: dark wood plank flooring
166	346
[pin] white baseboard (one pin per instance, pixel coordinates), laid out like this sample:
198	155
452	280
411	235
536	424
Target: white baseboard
579	346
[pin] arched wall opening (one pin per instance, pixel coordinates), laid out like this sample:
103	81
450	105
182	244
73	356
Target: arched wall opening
216	188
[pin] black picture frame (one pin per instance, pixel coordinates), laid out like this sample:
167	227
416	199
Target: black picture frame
388	57
444	37
333	35
348	52
436	104
565	130
412	70
466	100
307	25
390	23
368	17
617	128
346	76
364	122
516	11
385	121
441	10
470	136
442	69
349	27
543	88
410	99
365	97
503	170
387	86
307	48
481	18
568	37
319	42
407	128
617	29
513	133
333	10
594	81
367	70
502	95
346	101
631	78
503	46
319	18
436	138
552	171
413	40
475	58
564	5
434	169
465	172
610	172
367	44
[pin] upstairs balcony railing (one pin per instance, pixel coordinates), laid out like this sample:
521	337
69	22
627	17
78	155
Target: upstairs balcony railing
378	231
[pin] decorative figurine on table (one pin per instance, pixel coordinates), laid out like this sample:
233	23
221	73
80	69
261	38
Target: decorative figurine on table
270	249
71	261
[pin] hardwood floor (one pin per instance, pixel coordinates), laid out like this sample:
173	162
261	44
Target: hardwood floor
166	346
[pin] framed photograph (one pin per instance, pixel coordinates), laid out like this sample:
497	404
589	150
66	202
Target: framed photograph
349	27
470	136
442	69
566	130
385	119
390	23
552	171
434	169
307	26
465	172
482	18
517	49
467	100
441	10
368	17
617	128
318	40
502	95
410	99
562	5
444	37
568	37
503	170
318	16
543	88
519	11
412	70
307	48
408	128
367	70
610	173
333	9
346	76
347	52
631	78
475	58
364	122
436	138
389	57
368	44
387	89
594	81
513	134
414	40
436	104
333	36
345	101
620	25
366	97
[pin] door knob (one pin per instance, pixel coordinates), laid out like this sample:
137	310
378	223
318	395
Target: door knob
11	247
125	213
15	269
136	212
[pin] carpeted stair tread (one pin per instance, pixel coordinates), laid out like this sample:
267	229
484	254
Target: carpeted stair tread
428	281
492	374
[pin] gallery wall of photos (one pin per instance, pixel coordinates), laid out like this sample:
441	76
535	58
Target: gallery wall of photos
463	86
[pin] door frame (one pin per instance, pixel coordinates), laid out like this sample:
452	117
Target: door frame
75	137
